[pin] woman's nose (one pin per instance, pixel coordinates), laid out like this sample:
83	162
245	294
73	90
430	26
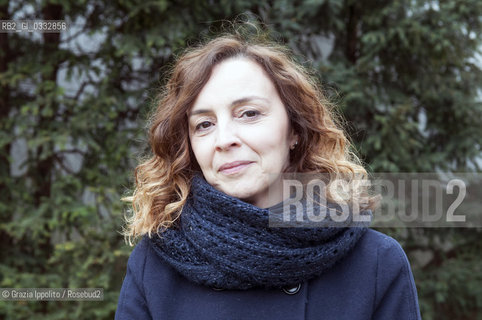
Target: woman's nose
226	137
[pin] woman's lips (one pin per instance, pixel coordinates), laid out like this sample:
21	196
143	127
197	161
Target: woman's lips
234	167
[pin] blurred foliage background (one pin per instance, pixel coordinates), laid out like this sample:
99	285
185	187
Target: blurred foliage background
72	115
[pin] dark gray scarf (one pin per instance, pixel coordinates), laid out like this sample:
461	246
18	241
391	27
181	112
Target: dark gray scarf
226	243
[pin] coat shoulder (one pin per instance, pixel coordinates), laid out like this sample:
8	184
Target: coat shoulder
376	239
139	252
388	251
372	248
143	260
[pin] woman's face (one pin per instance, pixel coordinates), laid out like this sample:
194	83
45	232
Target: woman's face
240	133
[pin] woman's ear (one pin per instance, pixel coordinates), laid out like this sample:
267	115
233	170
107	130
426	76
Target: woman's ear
294	140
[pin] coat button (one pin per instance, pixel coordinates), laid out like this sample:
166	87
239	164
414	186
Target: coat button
292	290
217	289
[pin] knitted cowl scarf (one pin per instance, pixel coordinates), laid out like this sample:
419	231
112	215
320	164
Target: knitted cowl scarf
225	243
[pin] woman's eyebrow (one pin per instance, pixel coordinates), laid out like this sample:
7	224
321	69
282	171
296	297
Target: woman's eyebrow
247	99
199	111
232	104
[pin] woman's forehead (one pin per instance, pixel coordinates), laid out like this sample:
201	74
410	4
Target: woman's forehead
234	80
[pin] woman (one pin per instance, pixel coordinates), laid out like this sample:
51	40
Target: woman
236	115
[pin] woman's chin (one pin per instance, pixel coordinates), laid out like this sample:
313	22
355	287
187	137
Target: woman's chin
241	194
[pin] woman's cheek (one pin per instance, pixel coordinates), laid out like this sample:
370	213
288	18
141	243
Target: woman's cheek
202	150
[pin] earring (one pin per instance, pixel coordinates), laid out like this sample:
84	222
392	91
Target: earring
294	145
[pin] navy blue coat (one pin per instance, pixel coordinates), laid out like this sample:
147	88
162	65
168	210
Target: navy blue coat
373	281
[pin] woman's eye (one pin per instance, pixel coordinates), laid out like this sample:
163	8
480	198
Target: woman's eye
250	114
203	125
